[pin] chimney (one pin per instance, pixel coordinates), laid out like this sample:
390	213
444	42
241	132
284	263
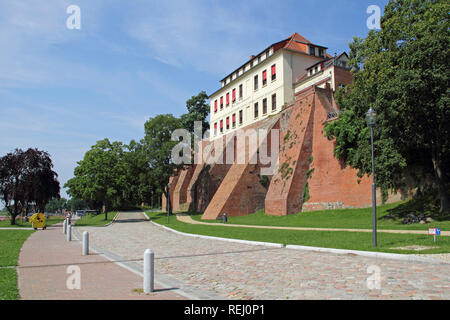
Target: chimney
252	57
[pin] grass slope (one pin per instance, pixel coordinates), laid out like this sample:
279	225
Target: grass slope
11	242
95	220
325	239
340	218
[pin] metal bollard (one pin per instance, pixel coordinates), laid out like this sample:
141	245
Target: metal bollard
69	233
149	271
65	226
85	243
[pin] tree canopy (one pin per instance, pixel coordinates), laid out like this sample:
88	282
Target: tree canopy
402	73
27	180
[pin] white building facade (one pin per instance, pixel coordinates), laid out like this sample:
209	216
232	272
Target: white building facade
262	86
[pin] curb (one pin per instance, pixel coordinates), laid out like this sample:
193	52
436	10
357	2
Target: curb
113	220
188	291
256	243
369	254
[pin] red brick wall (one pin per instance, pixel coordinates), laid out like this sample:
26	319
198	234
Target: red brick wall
331	185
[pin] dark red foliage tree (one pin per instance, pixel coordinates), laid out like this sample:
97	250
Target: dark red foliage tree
27	179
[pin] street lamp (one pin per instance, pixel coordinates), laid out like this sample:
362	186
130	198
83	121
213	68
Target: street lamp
371	119
168	201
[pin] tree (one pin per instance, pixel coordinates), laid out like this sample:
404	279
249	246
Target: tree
158	148
403	75
27	179
56	204
198	110
101	176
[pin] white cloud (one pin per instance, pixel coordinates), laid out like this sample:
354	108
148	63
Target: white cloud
210	36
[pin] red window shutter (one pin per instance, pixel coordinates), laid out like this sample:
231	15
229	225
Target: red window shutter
264	75
228	98
221	101
221	124
234	95
274	70
215	126
234	117
228	121
215	106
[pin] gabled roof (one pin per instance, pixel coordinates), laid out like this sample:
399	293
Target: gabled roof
294	42
329	61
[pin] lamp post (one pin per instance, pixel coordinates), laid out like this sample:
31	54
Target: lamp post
371	119
168	202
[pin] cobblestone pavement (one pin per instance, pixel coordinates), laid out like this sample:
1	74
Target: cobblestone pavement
241	271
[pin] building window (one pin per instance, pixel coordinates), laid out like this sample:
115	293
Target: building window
264	78
228	99
215	105
241	116
241	91
234	95
312	50
259	59
316	69
274	72
256	82
221	126
274	102
264	106
221	103
215	128
228	123
256	110
234	120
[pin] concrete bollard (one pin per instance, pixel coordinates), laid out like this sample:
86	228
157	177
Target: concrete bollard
149	285
85	243
69	233
65	226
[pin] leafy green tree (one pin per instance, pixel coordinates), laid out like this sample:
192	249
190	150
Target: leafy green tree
140	187
76	204
56	204
101	176
403	75
158	148
198	110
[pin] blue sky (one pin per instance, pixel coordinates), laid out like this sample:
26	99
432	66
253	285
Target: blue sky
62	90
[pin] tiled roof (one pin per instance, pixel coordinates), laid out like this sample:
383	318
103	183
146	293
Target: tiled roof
294	42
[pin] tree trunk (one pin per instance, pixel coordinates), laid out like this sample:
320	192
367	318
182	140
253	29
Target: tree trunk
441	180
12	220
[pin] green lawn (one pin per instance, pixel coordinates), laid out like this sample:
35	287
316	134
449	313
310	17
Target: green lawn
95	220
341	218
326	239
11	242
22	224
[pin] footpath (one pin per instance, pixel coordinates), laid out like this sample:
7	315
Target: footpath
49	265
187	219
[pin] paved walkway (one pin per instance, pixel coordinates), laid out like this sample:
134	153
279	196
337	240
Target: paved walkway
240	271
44	261
187	219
